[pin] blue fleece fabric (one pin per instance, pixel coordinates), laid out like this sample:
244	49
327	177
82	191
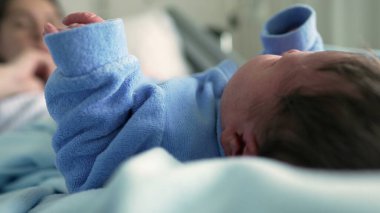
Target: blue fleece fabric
292	28
106	111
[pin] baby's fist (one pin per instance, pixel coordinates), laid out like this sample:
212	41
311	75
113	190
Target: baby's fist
74	20
81	18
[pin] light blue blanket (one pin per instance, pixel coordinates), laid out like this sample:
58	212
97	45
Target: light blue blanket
156	182
27	171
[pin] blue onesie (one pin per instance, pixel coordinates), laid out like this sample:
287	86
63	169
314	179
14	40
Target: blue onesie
106	111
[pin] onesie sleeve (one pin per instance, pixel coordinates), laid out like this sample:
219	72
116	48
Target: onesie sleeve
81	50
99	100
291	28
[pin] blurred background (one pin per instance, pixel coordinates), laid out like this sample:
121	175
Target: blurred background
348	23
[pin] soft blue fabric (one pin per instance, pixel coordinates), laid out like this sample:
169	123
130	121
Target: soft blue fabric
156	182
27	171
292	28
26	156
107	111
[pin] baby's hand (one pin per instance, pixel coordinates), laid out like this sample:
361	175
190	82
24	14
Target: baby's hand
73	20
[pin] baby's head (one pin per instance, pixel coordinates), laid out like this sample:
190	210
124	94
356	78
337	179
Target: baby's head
319	110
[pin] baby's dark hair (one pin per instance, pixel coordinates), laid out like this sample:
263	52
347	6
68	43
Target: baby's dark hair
5	3
330	130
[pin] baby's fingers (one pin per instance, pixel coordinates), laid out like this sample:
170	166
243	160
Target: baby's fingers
49	28
81	18
74	20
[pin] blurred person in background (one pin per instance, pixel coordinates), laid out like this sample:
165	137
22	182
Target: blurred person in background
25	62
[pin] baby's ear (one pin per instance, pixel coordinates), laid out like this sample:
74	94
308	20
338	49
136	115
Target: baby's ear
251	147
49	28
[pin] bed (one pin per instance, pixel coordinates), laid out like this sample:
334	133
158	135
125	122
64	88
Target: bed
156	182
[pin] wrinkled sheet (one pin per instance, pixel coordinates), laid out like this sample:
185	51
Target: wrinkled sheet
155	182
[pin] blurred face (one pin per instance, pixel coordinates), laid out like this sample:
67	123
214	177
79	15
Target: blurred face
250	98
22	26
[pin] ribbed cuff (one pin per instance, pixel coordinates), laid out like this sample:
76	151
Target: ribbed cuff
80	50
292	28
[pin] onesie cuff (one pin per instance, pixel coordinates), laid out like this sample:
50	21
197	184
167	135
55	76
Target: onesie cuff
80	50
228	67
292	28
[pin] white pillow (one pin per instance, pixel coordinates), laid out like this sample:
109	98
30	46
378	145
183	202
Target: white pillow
154	39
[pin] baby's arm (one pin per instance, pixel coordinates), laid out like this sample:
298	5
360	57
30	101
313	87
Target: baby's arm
97	97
